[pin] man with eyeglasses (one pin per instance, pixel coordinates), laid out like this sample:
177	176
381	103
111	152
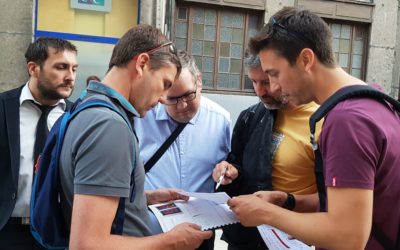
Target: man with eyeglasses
270	151
358	143
205	140
100	151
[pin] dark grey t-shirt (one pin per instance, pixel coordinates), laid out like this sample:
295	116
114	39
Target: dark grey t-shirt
97	159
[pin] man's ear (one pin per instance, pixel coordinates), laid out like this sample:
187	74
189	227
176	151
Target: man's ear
199	81
306	59
142	61
33	69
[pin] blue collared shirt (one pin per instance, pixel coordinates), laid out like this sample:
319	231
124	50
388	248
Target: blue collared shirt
188	163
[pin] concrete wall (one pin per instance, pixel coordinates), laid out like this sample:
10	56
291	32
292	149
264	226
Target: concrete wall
382	45
396	66
272	6
15	35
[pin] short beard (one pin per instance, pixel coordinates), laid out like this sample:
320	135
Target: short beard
48	91
281	103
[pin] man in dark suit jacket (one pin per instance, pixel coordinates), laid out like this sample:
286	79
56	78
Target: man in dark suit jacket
51	64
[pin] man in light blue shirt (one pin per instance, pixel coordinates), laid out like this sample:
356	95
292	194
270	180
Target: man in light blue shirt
189	161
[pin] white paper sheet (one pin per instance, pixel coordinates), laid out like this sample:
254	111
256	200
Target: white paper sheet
276	239
219	198
209	210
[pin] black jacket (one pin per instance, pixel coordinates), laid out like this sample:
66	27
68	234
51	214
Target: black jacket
251	155
10	151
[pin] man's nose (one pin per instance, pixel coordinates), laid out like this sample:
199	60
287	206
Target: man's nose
71	74
162	98
181	104
261	89
274	87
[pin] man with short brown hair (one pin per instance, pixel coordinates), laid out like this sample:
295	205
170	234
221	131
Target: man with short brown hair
100	151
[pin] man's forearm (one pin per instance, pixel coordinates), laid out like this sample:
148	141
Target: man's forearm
307	203
346	226
315	229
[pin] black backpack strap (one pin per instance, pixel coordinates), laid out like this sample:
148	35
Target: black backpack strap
347	93
321	112
157	155
319	176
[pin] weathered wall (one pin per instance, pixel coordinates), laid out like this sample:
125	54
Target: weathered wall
382	45
15	36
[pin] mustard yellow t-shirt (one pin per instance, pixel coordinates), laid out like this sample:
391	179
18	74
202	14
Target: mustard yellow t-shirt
293	157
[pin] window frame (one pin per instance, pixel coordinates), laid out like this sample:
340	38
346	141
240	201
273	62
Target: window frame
189	19
366	37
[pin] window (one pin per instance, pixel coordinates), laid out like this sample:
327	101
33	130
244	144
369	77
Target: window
217	39
350	46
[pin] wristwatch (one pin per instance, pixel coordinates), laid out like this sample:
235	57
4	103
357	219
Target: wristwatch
290	202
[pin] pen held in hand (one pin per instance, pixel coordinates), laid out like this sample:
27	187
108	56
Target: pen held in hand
221	178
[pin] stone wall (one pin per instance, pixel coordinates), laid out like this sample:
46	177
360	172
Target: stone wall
382	45
15	35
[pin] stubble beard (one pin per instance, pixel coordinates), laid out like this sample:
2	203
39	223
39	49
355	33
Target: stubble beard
49	91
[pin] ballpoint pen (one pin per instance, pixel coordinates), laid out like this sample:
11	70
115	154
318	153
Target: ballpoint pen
221	178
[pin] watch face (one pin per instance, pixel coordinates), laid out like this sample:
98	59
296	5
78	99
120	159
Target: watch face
290	202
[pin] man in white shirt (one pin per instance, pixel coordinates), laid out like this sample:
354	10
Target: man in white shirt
51	64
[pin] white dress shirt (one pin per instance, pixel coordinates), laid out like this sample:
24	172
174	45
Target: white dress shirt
29	115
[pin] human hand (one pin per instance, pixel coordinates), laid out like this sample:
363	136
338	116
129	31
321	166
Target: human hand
275	197
230	175
188	236
251	210
164	195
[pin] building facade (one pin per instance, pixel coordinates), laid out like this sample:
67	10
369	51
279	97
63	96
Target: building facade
366	37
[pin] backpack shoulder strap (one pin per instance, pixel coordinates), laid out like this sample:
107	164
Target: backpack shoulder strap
347	93
69	115
97	102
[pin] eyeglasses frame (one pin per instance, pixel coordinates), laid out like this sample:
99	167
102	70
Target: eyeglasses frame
182	97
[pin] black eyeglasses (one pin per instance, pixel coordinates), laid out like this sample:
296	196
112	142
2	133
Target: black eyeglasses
171	49
183	98
274	23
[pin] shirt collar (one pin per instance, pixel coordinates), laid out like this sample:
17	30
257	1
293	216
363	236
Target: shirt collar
100	88
26	95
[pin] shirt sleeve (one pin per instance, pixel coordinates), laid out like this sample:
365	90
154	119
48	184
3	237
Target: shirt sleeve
104	155
350	145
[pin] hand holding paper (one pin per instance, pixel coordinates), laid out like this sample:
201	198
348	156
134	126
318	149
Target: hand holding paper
164	195
250	209
208	210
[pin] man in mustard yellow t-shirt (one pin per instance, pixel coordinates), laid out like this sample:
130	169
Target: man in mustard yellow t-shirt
270	150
